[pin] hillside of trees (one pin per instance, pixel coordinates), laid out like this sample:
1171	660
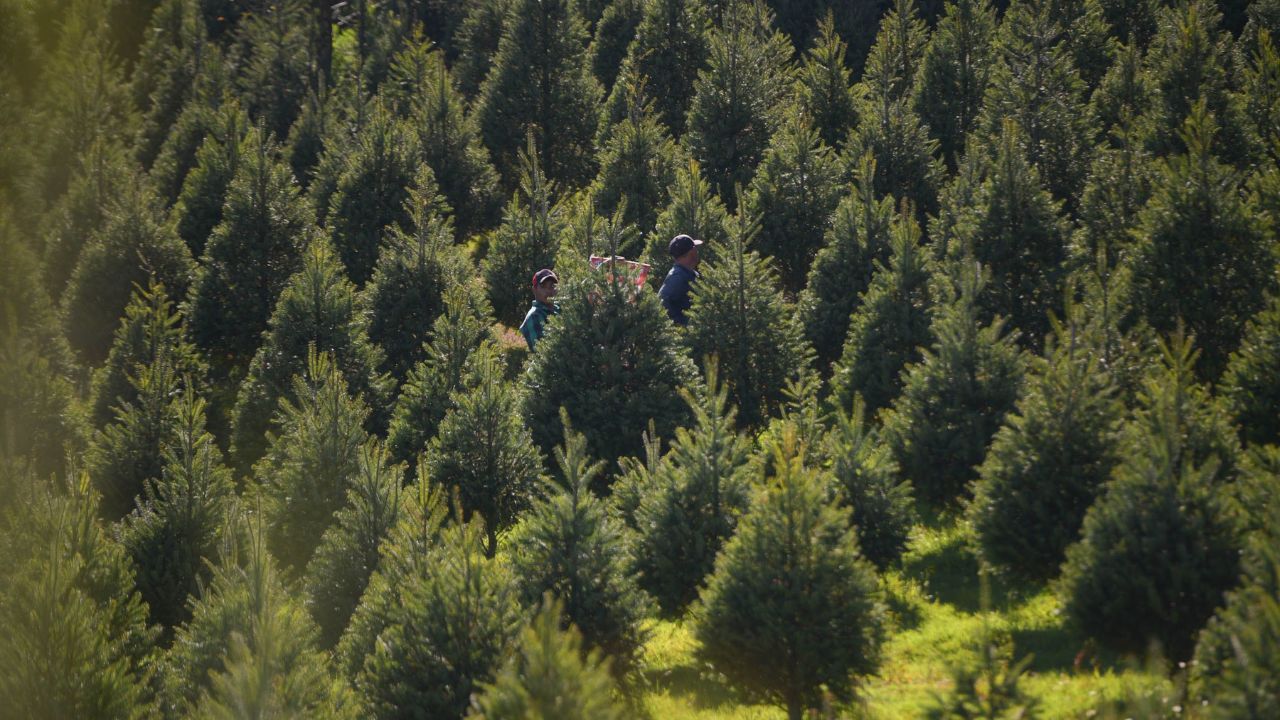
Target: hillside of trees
987	333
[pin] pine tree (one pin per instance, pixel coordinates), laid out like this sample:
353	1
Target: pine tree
638	166
248	260
526	241
1260	83
549	676
449	138
756	625
868	483
739	314
318	312
540	83
794	193
273	71
613	35
855	239
695	211
448	634
1251	384
889	327
895	58
347	555
1202	257
135	245
77	643
103	173
312	461
477	39
210	96
372	191
824	90
1177	454
200	203
568	546
427	392
164	78
1050	460
483	451
956	397
693	499
954	74
180	522
737	100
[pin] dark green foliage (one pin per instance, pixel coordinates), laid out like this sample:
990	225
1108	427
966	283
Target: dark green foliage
312	462
102	175
955	398
1050	460
449	138
793	607
611	359
613	35
77	643
273	72
477	40
954	74
540	84
824	91
669	49
895	58
318	312
568	545
249	259
526	241
181	520
1260	83
200	204
793	194
867	482
372	192
415	269
1161	546
1202	256
856	237
1251	384
483	451
428	390
738	100
739	313
347	555
177	156
891	325
549	676
695	211
638	166
135	245
165	75
688	505
449	633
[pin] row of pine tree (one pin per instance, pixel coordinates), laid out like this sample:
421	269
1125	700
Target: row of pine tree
270	445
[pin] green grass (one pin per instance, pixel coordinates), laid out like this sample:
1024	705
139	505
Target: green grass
939	610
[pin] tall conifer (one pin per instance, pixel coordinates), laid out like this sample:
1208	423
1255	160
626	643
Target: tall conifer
824	90
954	73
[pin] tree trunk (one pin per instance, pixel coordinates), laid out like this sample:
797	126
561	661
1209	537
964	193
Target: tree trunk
322	44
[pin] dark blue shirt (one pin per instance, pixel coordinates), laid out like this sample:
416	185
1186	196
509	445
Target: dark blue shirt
675	293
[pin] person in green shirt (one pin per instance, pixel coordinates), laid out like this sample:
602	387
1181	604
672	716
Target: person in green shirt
544	289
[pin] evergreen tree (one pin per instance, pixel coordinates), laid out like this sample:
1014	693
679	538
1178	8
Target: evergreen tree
449	138
526	241
955	398
954	74
792	606
415	269
613	35
1202	256
164	77
448	634
427	392
1260	84
248	260
895	58
203	196
209	97
739	313
1177	454
824	90
312	461
794	193
135	245
370	198
549	676
318	312
483	451
568	546
1251	384
77	642
347	555
540	84
273	70
856	238
737	101
693	501
638	166
103	173
695	211
177	528
1051	458
890	326
477	39
867	481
